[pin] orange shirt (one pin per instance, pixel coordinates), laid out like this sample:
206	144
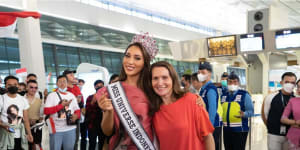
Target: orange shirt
182	124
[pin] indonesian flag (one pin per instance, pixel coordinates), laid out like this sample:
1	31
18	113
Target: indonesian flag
22	72
8	21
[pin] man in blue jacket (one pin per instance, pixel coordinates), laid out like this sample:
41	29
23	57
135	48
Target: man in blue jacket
209	93
237	108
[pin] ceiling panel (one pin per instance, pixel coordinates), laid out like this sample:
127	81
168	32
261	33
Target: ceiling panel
56	28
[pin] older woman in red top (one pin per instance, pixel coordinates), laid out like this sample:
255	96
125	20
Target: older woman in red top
179	122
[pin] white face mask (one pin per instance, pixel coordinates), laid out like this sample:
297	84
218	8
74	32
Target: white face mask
233	87
62	90
202	77
288	87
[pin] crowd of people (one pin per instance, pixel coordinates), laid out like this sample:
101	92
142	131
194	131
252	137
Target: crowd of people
146	106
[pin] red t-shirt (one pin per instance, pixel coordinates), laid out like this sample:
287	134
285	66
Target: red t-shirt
182	124
76	91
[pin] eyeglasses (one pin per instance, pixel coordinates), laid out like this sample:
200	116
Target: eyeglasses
33	87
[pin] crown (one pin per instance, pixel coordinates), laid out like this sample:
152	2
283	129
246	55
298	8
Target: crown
148	43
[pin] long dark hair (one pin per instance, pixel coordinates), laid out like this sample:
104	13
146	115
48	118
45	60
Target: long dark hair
143	82
177	92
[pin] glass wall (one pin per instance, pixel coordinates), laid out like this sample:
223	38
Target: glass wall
58	58
9	57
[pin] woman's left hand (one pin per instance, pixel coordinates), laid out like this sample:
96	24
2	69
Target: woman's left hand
200	101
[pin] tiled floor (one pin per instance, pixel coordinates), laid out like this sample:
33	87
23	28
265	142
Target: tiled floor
258	135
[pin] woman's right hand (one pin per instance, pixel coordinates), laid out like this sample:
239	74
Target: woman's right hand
104	103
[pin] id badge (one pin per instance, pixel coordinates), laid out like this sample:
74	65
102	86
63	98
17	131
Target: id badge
282	129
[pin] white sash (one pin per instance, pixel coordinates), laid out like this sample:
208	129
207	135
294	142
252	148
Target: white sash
128	118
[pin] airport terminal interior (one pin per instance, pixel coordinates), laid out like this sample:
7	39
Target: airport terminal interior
258	40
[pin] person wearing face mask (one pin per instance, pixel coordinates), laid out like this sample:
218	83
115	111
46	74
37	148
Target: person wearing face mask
59	106
74	89
223	88
196	83
22	89
210	95
10	132
237	108
81	83
93	118
272	111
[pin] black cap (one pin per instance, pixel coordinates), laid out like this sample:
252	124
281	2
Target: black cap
68	71
233	76
224	75
205	65
97	82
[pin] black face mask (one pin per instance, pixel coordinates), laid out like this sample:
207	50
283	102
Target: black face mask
12	90
22	93
98	88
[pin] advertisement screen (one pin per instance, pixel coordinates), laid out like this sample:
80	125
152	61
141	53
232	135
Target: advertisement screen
252	42
221	46
287	39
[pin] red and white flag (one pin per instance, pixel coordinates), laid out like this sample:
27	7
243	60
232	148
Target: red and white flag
8	21
22	72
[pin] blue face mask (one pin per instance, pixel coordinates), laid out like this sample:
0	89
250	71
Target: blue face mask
62	90
224	83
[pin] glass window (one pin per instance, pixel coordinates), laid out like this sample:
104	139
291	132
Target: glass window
49	59
95	57
3	60
116	63
13	55
85	56
61	59
72	57
107	61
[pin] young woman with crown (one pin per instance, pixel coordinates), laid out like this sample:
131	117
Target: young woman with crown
136	83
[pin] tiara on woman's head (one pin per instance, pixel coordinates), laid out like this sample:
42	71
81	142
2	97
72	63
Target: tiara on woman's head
147	42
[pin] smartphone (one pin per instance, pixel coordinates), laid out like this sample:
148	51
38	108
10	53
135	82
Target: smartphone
12	130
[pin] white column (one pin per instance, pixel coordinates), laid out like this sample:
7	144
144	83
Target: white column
30	44
264	58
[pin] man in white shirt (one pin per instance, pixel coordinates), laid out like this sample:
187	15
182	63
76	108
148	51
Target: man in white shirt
13	108
63	108
272	110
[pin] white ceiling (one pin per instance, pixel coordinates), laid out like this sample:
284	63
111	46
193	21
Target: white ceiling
224	15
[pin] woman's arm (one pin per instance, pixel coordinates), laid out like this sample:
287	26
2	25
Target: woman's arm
288	121
107	123
209	142
286	113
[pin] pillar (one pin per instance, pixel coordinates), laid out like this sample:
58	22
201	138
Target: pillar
30	44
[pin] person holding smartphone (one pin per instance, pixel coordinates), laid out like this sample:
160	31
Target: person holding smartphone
58	105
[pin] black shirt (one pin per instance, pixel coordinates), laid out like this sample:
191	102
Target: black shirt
278	104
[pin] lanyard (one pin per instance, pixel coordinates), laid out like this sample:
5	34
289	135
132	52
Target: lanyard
283	101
